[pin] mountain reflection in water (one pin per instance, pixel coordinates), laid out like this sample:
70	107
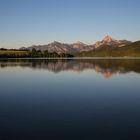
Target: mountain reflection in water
107	68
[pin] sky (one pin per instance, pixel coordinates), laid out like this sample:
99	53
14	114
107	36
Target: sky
34	22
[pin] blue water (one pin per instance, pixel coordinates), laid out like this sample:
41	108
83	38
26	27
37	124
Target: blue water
69	99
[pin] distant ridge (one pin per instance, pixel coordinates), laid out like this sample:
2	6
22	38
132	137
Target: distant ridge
78	47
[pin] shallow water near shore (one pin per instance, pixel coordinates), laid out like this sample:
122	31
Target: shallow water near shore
69	99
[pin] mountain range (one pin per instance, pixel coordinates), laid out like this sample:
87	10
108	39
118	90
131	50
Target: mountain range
78	47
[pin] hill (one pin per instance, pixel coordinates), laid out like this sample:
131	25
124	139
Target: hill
131	50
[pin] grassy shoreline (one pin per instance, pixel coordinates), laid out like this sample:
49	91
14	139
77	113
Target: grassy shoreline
94	58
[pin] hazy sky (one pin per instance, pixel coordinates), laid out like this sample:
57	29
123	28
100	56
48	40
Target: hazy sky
28	22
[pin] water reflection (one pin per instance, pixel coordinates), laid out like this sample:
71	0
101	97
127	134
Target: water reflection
107	68
38	104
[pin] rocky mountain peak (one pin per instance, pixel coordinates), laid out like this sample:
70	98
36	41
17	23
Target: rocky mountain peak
55	42
108	39
80	43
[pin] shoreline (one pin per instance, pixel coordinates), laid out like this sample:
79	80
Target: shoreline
78	58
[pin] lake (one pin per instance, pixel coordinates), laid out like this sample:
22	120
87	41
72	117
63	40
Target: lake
69	99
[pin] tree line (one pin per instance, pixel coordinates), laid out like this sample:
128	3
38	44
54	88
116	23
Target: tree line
13	53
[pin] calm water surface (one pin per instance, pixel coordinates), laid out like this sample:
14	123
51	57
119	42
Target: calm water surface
69	99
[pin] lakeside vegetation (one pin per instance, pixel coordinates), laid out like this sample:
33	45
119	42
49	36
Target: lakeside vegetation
5	53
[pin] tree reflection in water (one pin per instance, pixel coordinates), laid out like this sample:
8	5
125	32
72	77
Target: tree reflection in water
107	68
